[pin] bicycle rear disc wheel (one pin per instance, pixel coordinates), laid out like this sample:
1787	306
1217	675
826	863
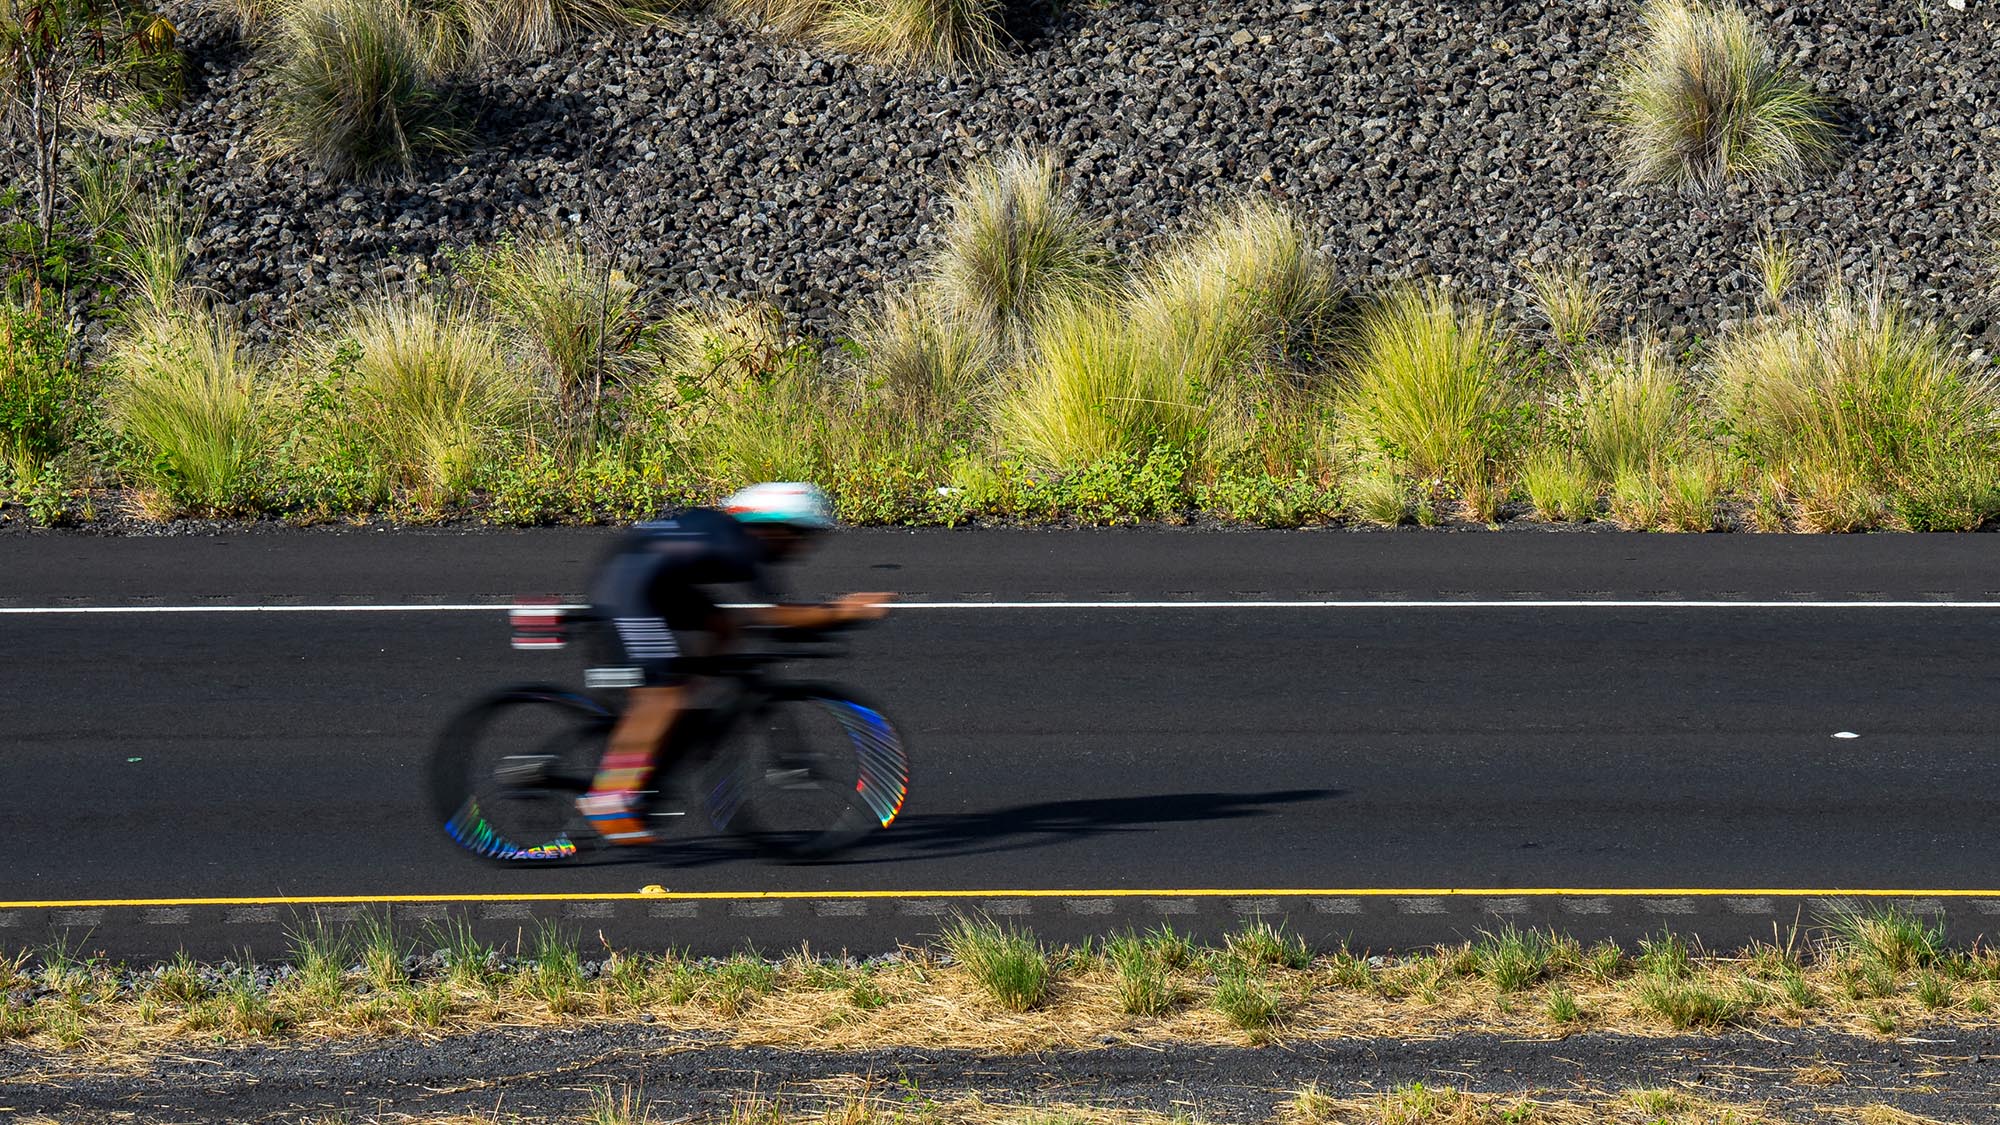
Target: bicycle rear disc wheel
815	769
507	771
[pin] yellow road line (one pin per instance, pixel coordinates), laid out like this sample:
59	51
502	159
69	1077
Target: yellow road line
1115	892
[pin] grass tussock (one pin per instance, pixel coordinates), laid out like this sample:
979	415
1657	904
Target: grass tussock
922	34
576	315
506	28
932	368
1247	295
1091	389
1863	416
931	34
783	17
1703	99
184	400
1429	393
1009	963
357	85
430	390
1015	249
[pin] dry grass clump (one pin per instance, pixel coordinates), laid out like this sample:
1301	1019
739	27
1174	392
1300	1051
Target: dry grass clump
1570	304
357	85
1015	249
785	17
152	251
933	369
1863	416
1248	294
427	387
502	28
1702	99
741	385
576	315
936	34
928	34
183	394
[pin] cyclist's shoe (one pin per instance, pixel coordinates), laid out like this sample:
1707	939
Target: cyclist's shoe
616	817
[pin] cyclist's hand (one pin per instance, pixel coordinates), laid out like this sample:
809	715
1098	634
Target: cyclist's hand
863	607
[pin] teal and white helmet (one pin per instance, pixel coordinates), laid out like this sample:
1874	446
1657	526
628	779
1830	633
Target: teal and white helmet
785	502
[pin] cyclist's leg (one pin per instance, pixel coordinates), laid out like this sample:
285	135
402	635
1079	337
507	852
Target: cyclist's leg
628	764
631	760
612	805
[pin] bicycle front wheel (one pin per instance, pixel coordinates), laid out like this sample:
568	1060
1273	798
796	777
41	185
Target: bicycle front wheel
809	770
507	771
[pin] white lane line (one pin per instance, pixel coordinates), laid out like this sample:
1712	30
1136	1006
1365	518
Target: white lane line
1359	603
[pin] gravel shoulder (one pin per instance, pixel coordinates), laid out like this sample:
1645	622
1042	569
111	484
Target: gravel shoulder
1951	1074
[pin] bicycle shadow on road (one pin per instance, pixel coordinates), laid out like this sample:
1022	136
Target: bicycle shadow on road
1018	827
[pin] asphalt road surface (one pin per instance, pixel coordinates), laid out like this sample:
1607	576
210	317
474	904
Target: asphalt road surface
1382	737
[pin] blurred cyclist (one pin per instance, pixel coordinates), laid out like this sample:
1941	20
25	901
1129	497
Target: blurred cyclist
655	591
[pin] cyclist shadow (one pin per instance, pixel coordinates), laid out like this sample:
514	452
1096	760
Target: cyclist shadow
1018	827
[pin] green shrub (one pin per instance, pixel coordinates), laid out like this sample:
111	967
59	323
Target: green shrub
1092	389
425	383
356	85
183	396
940	34
1428	393
577	317
41	391
1009	964
1015	249
1702	98
1852	407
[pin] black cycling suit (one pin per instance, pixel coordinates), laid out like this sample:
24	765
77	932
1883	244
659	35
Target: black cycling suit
655	588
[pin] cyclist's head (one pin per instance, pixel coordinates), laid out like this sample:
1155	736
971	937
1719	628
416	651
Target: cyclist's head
785	514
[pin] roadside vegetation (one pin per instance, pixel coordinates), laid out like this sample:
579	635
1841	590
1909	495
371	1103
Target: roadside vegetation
1025	373
999	987
1703	98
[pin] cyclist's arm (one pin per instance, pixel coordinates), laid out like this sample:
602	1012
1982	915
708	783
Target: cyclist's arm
847	610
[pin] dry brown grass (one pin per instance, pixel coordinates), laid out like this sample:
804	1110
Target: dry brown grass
1513	983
